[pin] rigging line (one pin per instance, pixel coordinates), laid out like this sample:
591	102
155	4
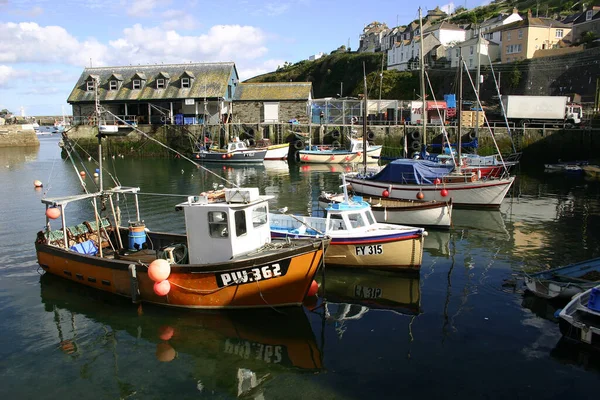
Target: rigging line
50	173
502	105
171	149
486	121
444	132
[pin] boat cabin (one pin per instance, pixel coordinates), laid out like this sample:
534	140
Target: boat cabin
347	216
225	224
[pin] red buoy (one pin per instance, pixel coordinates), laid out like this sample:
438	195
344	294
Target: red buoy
385	193
223	156
82	173
437	181
444	192
197	155
420	195
53	212
159	270
314	288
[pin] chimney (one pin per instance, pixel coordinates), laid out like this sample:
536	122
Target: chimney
515	11
529	13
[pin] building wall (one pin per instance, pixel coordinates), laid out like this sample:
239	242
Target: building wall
448	36
252	111
588	26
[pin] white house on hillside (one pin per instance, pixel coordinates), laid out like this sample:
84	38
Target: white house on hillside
447	33
492	23
468	50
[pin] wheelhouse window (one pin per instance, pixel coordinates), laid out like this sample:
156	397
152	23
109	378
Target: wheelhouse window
185	83
240	223
217	224
336	223
160	83
259	216
113	85
356	220
137	84
90	86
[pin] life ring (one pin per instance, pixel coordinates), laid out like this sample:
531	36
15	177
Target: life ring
354	120
415	145
335	134
416	135
370	135
298	144
472	135
473	177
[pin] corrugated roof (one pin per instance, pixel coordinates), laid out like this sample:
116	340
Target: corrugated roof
211	81
266	91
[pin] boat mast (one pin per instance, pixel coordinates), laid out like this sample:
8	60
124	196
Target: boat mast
422	63
459	111
97	110
364	135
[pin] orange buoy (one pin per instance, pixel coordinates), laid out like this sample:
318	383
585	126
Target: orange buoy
53	212
197	155
420	195
165	352
444	192
165	332
385	193
82	173
159	270
162	288
37	184
314	288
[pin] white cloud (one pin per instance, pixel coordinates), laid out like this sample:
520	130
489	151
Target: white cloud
274	9
178	19
141	8
6	75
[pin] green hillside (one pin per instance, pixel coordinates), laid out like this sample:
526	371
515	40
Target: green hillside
342	69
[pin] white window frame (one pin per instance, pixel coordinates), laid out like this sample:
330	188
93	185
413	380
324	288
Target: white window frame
160	83
508	35
589	14
520	34
113	85
558	33
136	84
90	85
185	83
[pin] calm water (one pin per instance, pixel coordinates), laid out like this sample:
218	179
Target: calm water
462	329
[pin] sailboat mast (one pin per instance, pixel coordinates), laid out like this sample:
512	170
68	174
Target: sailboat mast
364	135
422	64
459	110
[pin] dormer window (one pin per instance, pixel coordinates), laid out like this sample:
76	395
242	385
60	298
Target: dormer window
137	84
90	86
160	83
589	14
185	83
113	85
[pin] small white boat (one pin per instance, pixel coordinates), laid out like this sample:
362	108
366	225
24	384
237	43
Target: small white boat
435	214
565	282
357	240
274	151
356	153
580	319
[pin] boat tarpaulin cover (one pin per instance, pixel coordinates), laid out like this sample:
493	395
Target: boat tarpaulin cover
412	171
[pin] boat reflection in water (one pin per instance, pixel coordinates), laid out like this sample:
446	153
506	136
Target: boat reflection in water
437	243
350	294
225	352
569	352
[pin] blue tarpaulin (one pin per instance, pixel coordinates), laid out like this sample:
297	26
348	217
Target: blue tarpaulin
412	171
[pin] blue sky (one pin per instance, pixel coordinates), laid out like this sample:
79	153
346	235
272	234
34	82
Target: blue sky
46	44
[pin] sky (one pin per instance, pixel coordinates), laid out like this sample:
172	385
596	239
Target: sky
46	44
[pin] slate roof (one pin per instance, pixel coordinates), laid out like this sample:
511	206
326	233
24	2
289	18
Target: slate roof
279	91
530	22
445	26
210	81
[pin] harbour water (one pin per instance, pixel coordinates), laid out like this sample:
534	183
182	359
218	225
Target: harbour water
462	328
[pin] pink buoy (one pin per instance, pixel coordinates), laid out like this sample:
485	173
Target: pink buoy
332	158
53	212
437	181
444	192
314	288
82	173
197	155
159	270
162	288
223	156
420	195
385	193
37	184
359	154
347	158
165	332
